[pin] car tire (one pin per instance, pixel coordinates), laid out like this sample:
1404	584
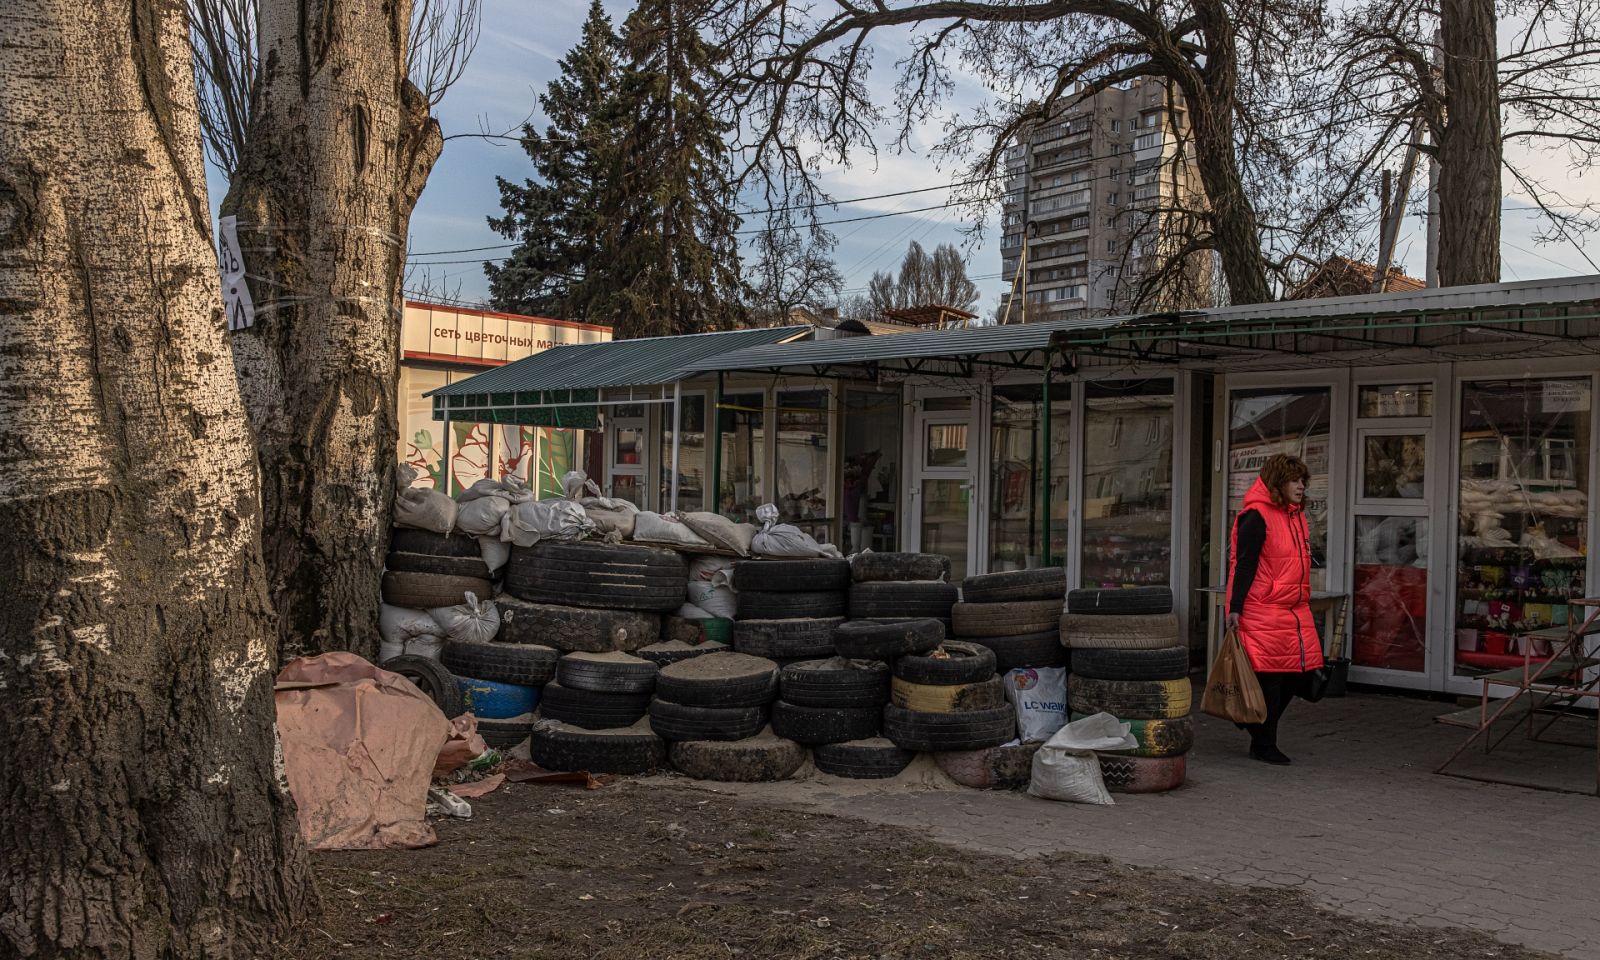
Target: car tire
879	567
591	710
1120	602
626	750
947	697
527	664
1134	631
835	682
429	676
786	639
682	721
601	576
800	605
825	575
812	725
1157	738
902	599
1006	767
978	620
873	759
439	566
1114	663
1130	699
453	544
933	732
885	640
719	680
606	673
1044	583
953	661
575	629
672	651
1034	650
507	733
762	758
424	591
1142	774
492	700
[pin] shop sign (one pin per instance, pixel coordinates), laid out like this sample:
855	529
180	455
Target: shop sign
434	332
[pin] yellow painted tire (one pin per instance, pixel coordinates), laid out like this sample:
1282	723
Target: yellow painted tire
947	698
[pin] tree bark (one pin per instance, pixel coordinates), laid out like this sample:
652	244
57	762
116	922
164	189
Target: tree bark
1470	146
140	816
339	147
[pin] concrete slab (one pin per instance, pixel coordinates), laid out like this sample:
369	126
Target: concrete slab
1359	821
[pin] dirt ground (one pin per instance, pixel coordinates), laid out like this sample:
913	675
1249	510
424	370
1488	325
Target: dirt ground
663	870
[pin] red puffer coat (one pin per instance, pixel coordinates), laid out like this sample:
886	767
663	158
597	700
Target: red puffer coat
1275	625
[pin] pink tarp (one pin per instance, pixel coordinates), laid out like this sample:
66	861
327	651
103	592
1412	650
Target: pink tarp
359	746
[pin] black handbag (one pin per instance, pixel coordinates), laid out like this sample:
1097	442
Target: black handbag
1314	684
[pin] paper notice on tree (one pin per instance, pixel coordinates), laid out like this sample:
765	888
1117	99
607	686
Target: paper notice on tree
240	308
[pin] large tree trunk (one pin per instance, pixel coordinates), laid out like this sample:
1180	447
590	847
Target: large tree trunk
339	147
140	816
1470	147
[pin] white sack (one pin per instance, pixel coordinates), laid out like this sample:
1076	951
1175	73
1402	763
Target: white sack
1039	697
510	488
528	523
721	532
399	624
1066	767
484	516
476	620
711	586
419	508
429	647
786	540
691	612
611	515
668	529
574	483
495	551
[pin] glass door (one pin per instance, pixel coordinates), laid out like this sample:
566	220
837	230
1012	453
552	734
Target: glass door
1392	522
943	480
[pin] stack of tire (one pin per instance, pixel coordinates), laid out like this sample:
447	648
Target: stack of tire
427	569
713	712
1128	661
593	716
901	586
943	695
595	599
1016	617
787	609
835	706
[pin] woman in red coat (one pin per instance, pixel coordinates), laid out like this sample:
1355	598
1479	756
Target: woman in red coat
1269	593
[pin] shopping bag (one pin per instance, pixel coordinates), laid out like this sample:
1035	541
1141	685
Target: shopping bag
1232	691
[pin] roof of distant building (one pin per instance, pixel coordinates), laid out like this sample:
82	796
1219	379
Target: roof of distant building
1344	277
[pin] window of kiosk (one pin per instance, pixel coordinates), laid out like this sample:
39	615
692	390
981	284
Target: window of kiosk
625	428
692	461
870	508
1016	460
1127	504
802	439
1276	420
742	424
1522	534
422	440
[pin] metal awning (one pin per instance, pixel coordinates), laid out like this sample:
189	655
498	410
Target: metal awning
1556	317
560	387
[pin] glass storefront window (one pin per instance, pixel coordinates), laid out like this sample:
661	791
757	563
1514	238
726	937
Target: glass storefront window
692	462
802	439
1017	459
946	445
946	506
421	437
558	455
1522	529
741	421
1394	466
1395	400
1262	423
1391	593
870	510
1127	500
515	448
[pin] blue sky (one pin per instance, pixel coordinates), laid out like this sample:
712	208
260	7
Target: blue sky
518	56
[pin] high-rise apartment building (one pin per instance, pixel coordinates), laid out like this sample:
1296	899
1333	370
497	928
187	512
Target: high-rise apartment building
1089	207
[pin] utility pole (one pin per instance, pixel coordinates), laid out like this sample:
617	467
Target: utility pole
1395	213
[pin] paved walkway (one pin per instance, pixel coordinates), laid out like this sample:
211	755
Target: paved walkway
1359	821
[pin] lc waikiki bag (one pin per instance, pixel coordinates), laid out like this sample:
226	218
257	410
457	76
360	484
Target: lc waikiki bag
1232	690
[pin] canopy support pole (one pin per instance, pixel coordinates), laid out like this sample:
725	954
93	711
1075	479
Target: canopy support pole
716	450
1044	481
677	440
445	465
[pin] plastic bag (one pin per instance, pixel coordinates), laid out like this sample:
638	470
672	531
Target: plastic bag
721	532
1039	696
785	540
473	621
1066	767
528	523
420	508
668	529
1232	690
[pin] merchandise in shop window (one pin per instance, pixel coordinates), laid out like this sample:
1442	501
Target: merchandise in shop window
802	438
1523	508
1017	461
1269	421
871	470
692	461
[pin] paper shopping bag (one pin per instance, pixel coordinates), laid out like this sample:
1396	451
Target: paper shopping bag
1232	691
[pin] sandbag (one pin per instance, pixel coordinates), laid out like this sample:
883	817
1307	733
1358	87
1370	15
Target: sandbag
399	624
667	529
711	586
690	611
721	532
510	488
556	519
608	518
495	551
474	621
1039	695
786	540
430	646
420	508
483	516
1066	767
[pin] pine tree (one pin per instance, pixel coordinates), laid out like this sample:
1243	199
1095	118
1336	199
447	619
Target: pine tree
674	260
557	218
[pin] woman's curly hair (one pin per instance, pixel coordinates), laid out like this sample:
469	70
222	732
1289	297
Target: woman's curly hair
1279	469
